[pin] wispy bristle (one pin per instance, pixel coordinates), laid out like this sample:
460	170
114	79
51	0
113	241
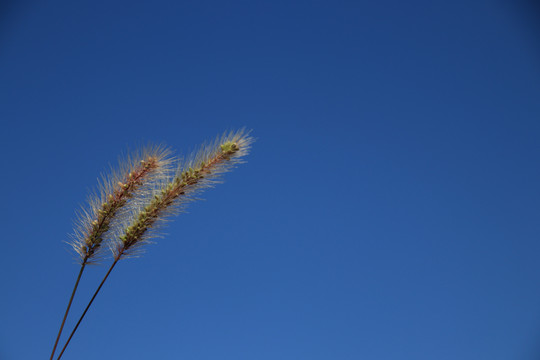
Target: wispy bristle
199	171
121	186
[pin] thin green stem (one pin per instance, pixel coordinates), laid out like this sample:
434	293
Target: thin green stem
88	306
67	309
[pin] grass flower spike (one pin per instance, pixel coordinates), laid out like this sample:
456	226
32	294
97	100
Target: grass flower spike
115	191
94	224
200	171
165	194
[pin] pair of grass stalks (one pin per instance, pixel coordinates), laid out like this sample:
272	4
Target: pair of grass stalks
138	197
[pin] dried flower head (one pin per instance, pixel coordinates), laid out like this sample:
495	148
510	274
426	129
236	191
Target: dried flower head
199	171
135	173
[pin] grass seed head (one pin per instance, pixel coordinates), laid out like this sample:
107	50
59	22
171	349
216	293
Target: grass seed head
120	188
200	170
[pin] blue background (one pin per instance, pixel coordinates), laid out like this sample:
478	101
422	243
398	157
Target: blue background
389	208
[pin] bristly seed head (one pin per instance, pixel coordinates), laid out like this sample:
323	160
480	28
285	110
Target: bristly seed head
200	171
114	194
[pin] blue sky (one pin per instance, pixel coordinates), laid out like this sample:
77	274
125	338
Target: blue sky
388	210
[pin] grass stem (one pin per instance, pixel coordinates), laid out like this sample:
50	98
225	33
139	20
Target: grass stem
88	307
67	309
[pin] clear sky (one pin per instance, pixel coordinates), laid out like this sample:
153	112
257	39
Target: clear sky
389	208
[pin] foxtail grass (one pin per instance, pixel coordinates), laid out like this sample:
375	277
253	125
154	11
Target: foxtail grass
96	221
165	196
